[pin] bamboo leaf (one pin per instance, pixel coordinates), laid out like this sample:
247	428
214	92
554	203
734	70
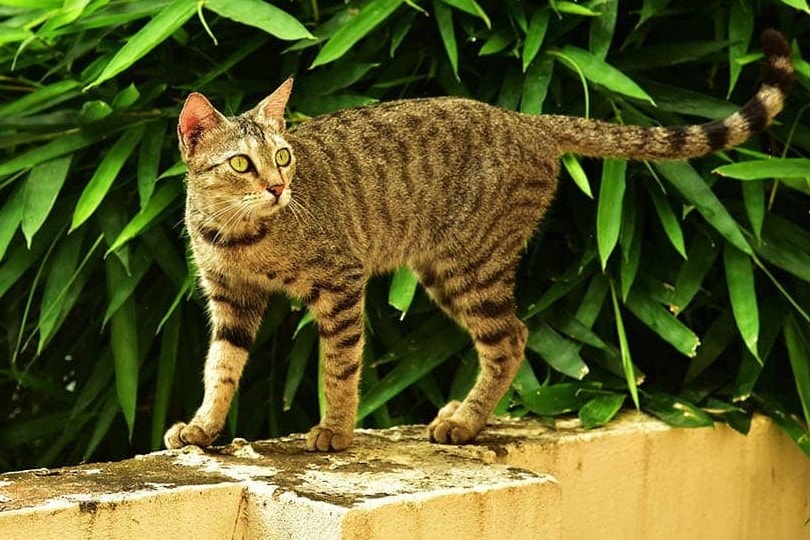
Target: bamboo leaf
471	7
402	290
165	23
534	36
496	42
361	24
556	399
601	73
40	191
572	8
702	254
149	160
798	346
600	410
572	165
124	345
602	27
304	344
689	183
670	223
444	20
663	323
61	146
164	380
10	217
98	186
766	168
609	210
742	293
261	15
740	29
560	353
676	412
164	196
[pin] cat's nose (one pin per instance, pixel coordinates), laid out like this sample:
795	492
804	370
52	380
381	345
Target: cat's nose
276	190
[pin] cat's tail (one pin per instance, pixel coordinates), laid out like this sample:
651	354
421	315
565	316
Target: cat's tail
596	138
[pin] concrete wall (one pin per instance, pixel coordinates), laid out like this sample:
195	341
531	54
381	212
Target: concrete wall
636	478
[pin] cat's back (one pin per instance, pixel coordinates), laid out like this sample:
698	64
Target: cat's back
417	170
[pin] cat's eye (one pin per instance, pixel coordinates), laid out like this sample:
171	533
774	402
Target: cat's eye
239	163
283	157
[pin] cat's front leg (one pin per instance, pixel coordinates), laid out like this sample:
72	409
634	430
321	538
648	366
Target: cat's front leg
236	313
339	313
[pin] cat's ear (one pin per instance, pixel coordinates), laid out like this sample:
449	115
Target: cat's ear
271	109
197	116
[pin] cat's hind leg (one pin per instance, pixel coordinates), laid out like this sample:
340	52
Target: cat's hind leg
483	302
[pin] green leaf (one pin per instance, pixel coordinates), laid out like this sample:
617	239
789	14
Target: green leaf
600	410
797	340
572	8
304	344
670	223
164	380
716	340
560	353
431	344
66	144
360	25
149	160
60	293
602	27
164	24
471	7
609	210
740	29
496	42
766	169
663	323
107	413
105	174
575	170
689	183
10	218
261	15
164	196
702	255
600	72
556	399
124	286
124	344
676	412
630	240
742	293
43	97
444	20
39	193
535	86
402	290
534	37
798	4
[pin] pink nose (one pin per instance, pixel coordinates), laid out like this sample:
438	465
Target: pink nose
276	190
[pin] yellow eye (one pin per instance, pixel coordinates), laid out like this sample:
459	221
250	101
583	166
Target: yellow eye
283	157
239	163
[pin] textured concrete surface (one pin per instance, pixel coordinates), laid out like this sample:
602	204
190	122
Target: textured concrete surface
636	478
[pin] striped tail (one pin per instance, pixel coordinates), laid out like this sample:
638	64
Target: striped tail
603	139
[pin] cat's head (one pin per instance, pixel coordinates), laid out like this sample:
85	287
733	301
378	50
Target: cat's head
240	167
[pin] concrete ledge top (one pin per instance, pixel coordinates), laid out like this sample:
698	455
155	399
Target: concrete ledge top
636	477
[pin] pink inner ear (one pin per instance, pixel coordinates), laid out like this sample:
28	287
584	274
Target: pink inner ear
197	114
272	108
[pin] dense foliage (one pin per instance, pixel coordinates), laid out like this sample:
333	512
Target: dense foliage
682	288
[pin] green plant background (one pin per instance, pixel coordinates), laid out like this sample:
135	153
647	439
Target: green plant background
692	279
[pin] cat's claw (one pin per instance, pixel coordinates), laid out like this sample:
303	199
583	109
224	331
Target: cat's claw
323	439
182	434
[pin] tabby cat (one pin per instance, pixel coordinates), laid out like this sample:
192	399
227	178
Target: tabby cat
450	187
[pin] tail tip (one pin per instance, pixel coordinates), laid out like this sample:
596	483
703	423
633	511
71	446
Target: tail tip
774	44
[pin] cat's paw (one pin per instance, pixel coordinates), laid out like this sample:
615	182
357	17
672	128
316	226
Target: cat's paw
447	430
182	434
323	439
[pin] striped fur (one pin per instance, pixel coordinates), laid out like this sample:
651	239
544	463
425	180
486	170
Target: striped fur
452	188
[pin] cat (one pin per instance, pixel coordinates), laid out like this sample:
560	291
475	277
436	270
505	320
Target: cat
453	188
